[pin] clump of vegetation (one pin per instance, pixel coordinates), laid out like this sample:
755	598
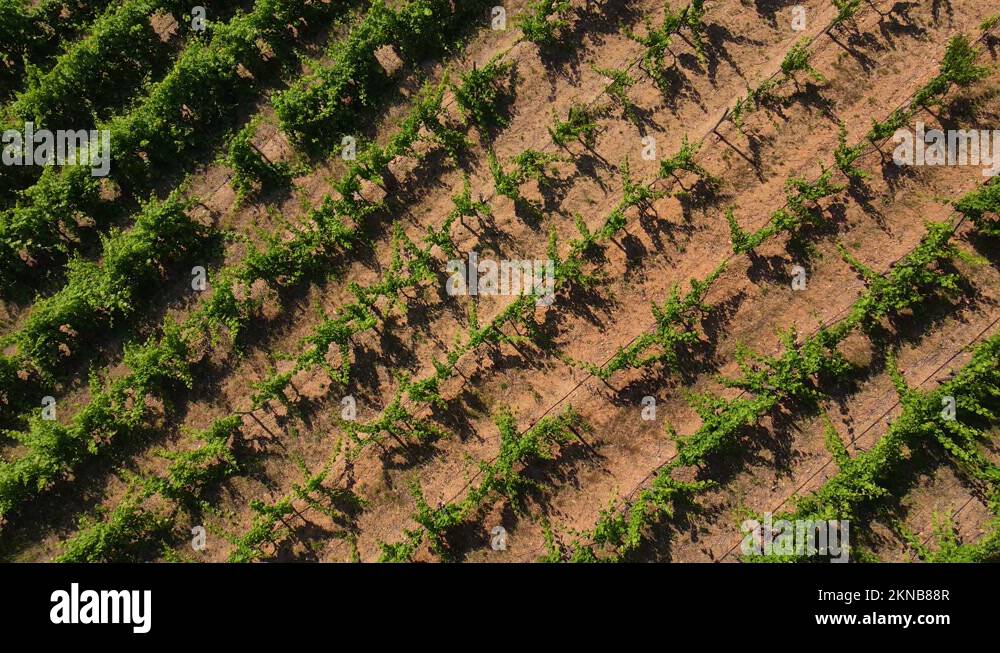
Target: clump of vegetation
544	21
797	60
657	40
252	170
479	93
618	89
580	125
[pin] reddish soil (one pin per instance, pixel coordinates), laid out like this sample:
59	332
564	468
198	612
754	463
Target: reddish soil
868	72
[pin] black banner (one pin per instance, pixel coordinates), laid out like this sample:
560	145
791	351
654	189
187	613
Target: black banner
195	604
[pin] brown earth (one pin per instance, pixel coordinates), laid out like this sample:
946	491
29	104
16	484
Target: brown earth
867	74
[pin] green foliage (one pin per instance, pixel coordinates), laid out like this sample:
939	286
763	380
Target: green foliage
203	88
692	16
684	160
54	451
427	28
743	242
33	231
528	165
880	131
754	99
580	125
959	63
982	206
657	40
845	156
501	478
797	60
532	164
800	194
123	408
263	530
506	184
801	200
97	297
192	470
112	539
543	21
435	522
846	9
618	89
427	113
676	319
118	409
336	97
286	262
620	529
910	281
465	206
397	422
333	332
409	268
32	34
635	194
723	422
958	67
836	447
480	92
949	548
402	551
252	171
15	25
862	480
790	376
270	520
111	62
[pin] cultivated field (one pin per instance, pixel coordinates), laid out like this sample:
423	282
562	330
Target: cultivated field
248	340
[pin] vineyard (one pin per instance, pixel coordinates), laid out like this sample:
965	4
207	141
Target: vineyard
533	281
